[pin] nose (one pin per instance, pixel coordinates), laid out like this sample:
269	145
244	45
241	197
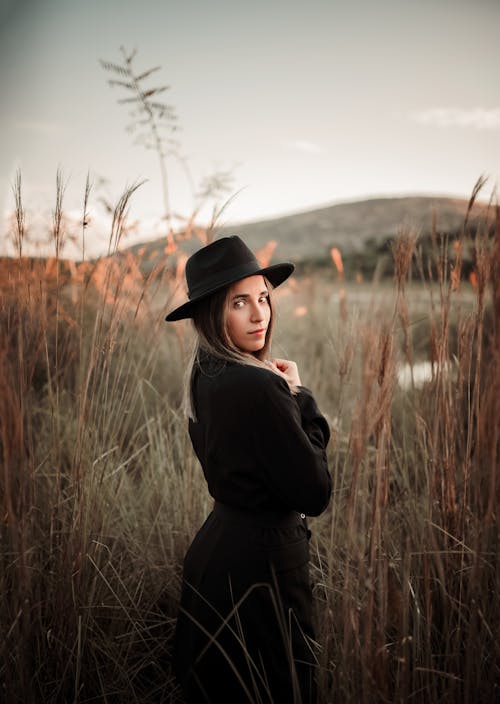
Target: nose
257	314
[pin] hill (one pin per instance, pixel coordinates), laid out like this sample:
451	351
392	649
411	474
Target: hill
348	226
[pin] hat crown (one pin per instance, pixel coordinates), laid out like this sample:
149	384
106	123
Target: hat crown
205	267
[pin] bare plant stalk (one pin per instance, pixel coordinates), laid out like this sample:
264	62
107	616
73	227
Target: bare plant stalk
58	233
152	115
85	215
20	215
120	215
152	119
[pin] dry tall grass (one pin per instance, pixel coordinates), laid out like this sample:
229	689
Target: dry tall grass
101	494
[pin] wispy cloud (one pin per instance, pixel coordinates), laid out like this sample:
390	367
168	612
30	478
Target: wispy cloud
477	118
302	145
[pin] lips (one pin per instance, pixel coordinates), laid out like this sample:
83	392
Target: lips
260	331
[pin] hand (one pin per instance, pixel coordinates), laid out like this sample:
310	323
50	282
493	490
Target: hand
286	369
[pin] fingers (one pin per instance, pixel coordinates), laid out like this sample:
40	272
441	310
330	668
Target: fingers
282	364
274	366
286	369
276	369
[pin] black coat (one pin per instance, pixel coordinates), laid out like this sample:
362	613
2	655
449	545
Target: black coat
244	631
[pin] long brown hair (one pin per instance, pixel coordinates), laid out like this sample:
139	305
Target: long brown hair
213	340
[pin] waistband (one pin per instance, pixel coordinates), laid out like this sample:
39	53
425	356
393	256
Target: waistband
261	518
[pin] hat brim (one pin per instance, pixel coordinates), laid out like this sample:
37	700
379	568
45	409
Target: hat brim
276	275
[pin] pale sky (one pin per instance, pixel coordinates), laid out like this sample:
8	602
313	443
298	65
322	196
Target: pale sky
307	102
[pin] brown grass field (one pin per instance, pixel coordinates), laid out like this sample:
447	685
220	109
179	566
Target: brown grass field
100	493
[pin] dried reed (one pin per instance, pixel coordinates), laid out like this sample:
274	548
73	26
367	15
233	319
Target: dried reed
101	494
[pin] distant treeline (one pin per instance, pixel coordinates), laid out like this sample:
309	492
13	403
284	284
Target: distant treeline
375	259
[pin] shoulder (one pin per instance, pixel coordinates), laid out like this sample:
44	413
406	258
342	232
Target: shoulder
247	375
252	381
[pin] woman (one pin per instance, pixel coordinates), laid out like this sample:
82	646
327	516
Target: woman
245	632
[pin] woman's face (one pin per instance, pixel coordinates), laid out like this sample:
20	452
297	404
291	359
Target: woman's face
248	313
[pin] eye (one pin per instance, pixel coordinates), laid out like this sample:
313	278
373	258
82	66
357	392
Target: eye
239	304
264	299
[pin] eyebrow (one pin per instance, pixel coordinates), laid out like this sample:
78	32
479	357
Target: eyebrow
246	295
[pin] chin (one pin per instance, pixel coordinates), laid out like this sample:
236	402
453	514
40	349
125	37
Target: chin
254	349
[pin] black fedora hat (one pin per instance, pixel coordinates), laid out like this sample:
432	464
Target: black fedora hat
219	264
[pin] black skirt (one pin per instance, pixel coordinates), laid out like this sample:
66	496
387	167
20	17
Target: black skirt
244	631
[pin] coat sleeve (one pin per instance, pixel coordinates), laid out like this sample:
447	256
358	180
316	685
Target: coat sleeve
291	437
313	422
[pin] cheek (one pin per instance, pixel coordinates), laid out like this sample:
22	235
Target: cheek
233	322
267	314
